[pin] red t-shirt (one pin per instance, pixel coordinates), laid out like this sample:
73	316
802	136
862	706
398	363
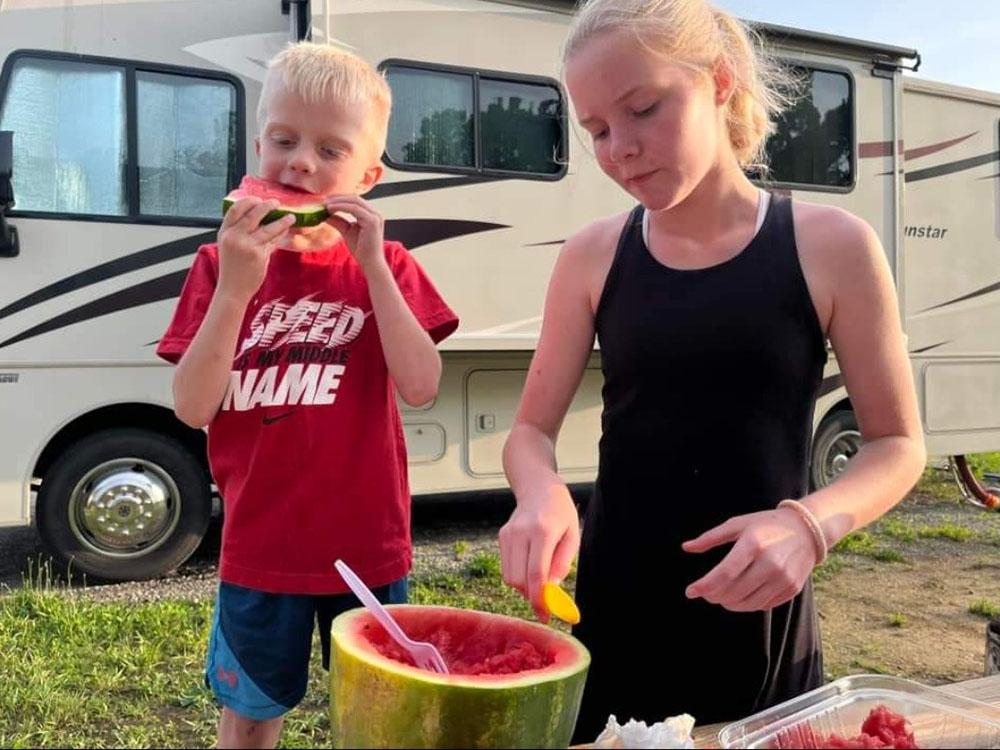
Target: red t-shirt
307	448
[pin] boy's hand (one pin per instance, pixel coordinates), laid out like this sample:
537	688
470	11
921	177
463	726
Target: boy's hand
364	235
245	245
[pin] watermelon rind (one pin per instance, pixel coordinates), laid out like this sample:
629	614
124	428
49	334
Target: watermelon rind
305	216
376	701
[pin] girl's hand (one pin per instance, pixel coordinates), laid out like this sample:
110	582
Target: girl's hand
772	557
363	232
245	246
537	545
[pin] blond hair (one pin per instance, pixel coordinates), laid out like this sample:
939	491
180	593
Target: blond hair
694	33
317	71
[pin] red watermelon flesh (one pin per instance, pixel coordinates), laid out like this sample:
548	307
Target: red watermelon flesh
307	208
486	655
883	728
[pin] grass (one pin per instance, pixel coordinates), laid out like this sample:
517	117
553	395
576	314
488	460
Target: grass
83	674
897	620
830	567
484	565
79	673
984	608
950	531
865	544
896	529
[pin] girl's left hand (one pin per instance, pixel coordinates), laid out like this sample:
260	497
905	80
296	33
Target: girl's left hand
364	235
768	565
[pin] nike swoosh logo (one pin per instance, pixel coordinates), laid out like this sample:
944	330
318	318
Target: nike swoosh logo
278	418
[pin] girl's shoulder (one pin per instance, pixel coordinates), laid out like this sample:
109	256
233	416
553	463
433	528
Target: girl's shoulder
840	255
588	254
594	245
822	230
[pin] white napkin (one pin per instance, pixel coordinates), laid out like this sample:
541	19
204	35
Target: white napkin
673	732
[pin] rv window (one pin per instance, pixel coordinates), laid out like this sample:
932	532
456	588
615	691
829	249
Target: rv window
69	149
813	142
187	143
521	127
438	114
431	121
74	127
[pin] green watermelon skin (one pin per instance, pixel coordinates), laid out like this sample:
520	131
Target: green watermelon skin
309	216
307	209
378	702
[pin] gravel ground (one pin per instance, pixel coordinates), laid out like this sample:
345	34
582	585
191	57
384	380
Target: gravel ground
437	526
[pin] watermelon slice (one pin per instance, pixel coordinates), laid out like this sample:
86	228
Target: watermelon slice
512	683
307	208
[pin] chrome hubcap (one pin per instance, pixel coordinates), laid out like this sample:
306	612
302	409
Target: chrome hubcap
126	507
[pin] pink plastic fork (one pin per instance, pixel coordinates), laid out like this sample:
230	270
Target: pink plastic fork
424	654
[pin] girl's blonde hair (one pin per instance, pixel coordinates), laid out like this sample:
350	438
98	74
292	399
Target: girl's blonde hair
319	71
694	33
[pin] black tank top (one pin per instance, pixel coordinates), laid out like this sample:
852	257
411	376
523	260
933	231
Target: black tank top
710	379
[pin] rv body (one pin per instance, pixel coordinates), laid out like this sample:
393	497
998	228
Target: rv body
131	119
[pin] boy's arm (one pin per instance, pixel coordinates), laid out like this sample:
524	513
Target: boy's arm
245	246
202	375
410	353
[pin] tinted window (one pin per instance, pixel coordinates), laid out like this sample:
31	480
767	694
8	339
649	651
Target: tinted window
814	139
521	126
438	115
431	122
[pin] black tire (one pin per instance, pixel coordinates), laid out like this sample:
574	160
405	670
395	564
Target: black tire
836	441
123	478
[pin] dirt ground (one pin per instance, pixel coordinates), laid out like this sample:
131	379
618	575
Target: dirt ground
912	617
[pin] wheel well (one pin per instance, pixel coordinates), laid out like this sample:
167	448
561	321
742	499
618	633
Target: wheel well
142	416
842	405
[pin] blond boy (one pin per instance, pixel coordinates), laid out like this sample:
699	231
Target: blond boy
291	345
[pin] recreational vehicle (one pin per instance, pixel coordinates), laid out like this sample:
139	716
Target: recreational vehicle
124	122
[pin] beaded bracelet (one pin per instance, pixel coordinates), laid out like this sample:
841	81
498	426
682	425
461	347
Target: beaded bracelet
819	538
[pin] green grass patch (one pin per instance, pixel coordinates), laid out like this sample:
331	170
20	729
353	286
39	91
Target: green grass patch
484	565
856	543
950	531
984	608
83	674
461	547
896	529
897	620
830	567
864	543
984	463
939	484
887	554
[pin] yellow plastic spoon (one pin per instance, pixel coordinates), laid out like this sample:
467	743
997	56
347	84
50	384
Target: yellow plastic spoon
560	604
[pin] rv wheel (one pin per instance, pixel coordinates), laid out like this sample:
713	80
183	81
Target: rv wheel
834	445
124	504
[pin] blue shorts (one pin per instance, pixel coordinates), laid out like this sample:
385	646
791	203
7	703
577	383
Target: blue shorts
261	643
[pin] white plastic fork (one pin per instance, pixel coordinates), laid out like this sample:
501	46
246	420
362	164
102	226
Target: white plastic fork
424	654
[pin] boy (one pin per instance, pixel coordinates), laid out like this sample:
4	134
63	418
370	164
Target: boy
290	346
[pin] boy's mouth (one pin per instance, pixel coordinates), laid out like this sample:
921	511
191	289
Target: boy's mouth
296	188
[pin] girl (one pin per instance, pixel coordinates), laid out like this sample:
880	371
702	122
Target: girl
712	302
